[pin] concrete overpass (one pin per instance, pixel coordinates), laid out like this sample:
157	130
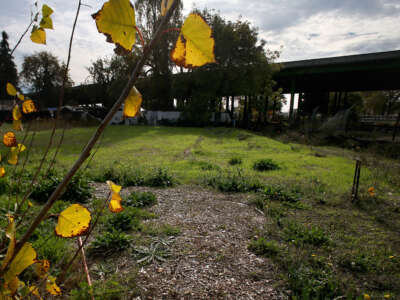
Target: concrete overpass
373	71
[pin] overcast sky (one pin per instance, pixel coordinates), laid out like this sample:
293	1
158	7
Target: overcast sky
304	28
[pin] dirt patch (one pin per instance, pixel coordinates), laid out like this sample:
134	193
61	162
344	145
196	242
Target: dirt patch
210	258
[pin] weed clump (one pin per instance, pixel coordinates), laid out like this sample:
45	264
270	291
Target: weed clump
277	193
263	247
235	161
266	164
108	243
141	199
160	178
123	221
299	234
234	182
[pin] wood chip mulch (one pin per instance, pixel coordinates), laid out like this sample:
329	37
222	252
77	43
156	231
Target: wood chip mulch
210	259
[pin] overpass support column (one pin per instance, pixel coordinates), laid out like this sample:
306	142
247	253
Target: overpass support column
291	101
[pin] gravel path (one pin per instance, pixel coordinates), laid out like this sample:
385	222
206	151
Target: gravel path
210	259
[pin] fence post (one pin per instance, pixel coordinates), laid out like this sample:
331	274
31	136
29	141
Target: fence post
395	127
356	181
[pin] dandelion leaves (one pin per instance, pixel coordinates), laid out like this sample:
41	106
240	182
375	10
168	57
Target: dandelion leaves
73	221
195	45
165	6
38	34
115	202
116	20
11	90
132	103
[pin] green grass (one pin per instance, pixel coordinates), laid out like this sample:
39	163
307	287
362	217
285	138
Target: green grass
185	151
323	245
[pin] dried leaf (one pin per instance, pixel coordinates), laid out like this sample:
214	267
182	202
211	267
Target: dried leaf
42	267
28	106
9	139
52	287
73	221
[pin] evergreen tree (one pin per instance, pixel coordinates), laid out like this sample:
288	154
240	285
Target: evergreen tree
8	70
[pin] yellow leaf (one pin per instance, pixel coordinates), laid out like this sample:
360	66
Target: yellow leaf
46	22
115	202
2	172
195	46
165	6
28	106
46	10
113	187
17	125
13	285
38	36
132	103
35	291
73	221
16	113
9	139
25	257
20	96
116	20
11	90
15	151
10	233
52	287
42	267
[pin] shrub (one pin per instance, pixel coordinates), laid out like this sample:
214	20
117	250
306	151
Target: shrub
235	161
263	247
78	190
141	199
109	243
266	164
233	182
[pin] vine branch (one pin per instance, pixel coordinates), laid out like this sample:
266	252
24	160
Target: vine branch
86	152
